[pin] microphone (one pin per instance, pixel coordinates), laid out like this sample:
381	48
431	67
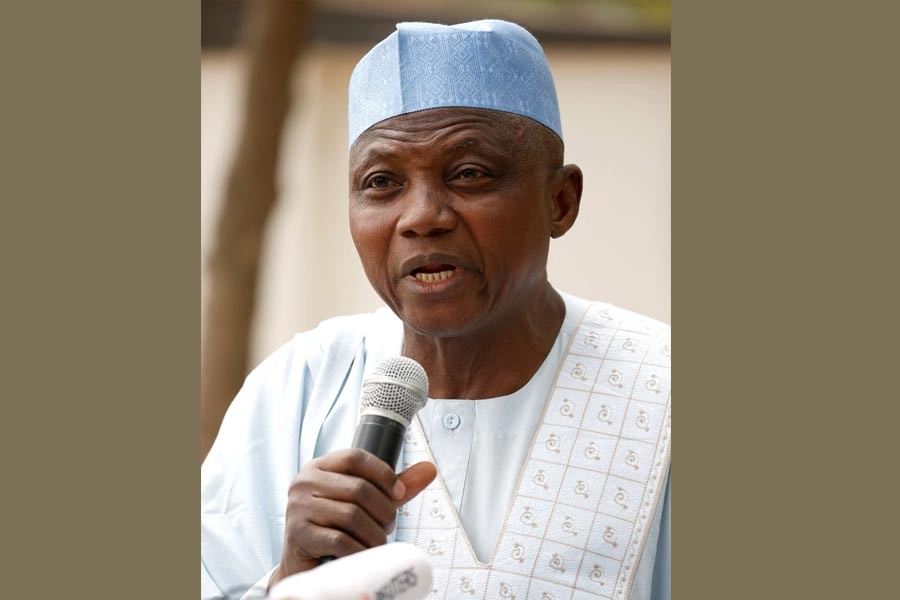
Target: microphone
391	397
397	571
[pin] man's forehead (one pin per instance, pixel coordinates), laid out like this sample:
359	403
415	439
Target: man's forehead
446	130
479	122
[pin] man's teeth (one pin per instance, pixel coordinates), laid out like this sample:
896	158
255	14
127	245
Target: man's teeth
432	277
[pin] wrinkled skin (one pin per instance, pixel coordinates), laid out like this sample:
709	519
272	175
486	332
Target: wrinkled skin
476	192
482	192
342	503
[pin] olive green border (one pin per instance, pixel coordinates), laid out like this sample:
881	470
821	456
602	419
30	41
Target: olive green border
100	233
784	159
784	170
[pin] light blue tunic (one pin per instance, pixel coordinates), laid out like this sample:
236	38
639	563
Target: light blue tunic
274	426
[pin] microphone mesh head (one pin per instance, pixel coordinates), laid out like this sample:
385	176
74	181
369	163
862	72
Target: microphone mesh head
398	385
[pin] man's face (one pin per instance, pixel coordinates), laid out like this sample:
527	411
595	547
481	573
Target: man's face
450	213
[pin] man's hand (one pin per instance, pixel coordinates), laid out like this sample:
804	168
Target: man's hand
341	503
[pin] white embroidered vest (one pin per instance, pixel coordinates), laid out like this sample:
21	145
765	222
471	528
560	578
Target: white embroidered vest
588	491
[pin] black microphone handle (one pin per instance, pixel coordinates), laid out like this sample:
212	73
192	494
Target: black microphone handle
383	437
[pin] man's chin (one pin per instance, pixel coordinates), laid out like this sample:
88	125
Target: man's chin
440	323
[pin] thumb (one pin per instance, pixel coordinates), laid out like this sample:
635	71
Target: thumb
415	479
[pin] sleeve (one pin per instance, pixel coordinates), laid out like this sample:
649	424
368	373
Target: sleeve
662	566
208	588
210	591
245	477
259	589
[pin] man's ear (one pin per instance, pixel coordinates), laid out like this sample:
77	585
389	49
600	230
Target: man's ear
566	198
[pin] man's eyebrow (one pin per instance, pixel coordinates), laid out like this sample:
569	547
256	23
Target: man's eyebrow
464	145
373	154
478	145
369	157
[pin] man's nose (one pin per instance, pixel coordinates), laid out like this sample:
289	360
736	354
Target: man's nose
426	212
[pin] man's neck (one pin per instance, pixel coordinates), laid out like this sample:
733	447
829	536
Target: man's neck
494	361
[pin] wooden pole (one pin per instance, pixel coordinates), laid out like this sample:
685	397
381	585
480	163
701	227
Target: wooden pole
274	36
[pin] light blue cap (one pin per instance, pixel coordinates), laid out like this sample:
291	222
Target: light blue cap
483	64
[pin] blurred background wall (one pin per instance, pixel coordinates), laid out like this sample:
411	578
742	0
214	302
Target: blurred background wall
611	64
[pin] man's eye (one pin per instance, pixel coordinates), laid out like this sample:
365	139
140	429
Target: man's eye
470	173
379	181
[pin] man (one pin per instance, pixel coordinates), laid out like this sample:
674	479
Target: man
549	417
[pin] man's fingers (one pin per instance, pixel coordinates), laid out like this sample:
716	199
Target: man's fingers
353	461
325	541
357	490
415	479
348	518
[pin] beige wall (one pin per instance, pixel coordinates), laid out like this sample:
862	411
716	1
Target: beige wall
615	106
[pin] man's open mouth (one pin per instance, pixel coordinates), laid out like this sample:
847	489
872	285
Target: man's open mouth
433	273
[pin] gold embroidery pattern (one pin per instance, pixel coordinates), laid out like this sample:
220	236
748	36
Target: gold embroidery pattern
605	414
615	378
579	372
609	536
518	553
466	586
552	443
568	526
527	517
436	512
581	488
633	460
567	409
558	563
651	498
643	421
618	543
591	451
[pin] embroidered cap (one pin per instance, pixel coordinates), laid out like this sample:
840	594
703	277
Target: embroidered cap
483	64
